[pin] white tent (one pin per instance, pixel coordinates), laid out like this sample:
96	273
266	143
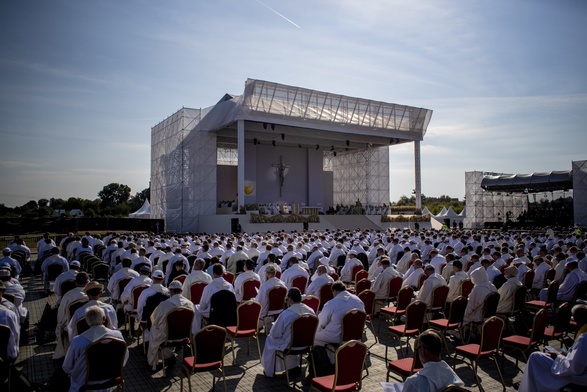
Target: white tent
463	212
451	213
442	212
143	212
426	211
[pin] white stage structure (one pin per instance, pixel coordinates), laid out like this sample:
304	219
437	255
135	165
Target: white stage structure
278	144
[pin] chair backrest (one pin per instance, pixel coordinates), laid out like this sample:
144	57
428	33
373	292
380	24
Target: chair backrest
66	286
276	298
136	293
250	289
421	280
362	274
404	297
180	278
469	265
53	271
334	276
303	331
354	271
179	323
209	344
228	276
100	271
368	298
223	308
340	260
75	305
139	266
580	291
278	274
491	334
499	280
5	333
466	287
10	297
519	299
439	295
248	314
415	313
362	285
353	323
196	290
529	278
563	317
122	283
326	294
312	301
105	359
490	305
394	286
549	276
457	310
349	361
300	282
539	325
552	292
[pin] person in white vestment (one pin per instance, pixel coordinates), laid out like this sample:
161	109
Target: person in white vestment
142	279
75	363
456	280
280	335
412	277
270	262
567	289
63	316
508	290
271	281
294	270
436	374
248	274
9	318
203	308
158	332
197	275
351	262
433	281
483	287
122	273
321	279
547	372
330	318
94	291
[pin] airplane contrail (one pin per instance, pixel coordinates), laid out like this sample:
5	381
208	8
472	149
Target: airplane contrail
271	9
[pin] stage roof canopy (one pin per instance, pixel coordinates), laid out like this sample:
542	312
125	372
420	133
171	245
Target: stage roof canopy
294	116
529	183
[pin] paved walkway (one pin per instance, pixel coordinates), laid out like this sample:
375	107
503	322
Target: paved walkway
36	363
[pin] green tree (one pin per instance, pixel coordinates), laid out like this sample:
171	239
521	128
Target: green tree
138	199
114	194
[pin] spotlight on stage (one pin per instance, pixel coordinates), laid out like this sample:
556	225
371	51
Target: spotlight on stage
348	143
273	127
273	142
283	136
317	146
264	125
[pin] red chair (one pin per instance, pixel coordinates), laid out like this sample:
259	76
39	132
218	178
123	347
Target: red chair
404	298
6	364
405	367
421	280
561	324
469	265
229	277
368	298
415	313
179	331
334	276
528	279
250	289
349	361
353	325
312	301
354	272
362	285
300	282
180	278
524	344
580	292
454	320
247	325
132	315
303	331
362	274
549	277
325	294
278	274
439	295
208	349
490	338
466	288
196	290
276	302
104	363
395	285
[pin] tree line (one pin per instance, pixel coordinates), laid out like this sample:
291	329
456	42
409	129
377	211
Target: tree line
434	204
114	200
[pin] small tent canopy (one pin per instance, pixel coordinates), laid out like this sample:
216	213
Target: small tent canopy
451	213
426	211
463	212
143	212
442	212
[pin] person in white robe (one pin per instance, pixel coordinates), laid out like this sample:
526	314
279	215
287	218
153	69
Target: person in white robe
142	279
413	278
540	270
567	289
437	260
9	318
330	318
248	274
507	291
294	270
158	332
203	308
433	281
75	363
63	316
271	281
122	273
197	275
455	281
351	262
550	372
322	278
381	285
281	333
481	289
270	262
94	291
74	268
436	374
404	263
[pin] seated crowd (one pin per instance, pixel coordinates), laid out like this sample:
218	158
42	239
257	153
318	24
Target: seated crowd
330	277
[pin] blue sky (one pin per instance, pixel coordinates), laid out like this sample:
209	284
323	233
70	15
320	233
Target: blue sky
83	82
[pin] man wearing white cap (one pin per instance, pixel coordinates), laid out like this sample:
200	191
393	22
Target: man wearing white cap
155	288
351	262
94	291
508	289
522	268
14	264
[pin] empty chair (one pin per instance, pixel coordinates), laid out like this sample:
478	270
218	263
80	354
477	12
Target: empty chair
454	320
368	298
250	289
439	295
132	315
325	294
524	344
349	361
404	298
405	367
313	302
223	309
196	289
208	350
247	325
300	282
562	320
362	285
415	313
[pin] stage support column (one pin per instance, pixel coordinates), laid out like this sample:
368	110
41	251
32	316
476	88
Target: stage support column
241	163
418	189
